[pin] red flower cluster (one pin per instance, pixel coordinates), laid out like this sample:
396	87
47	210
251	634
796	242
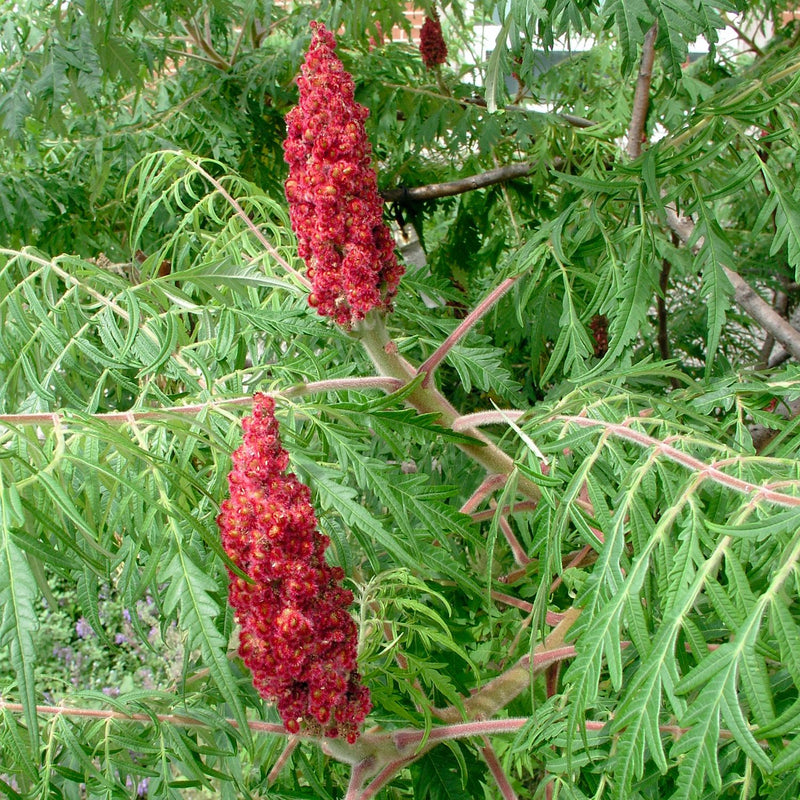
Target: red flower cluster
332	190
296	636
431	42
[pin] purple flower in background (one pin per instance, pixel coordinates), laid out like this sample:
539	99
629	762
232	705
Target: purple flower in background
141	788
120	638
126	614
83	629
64	653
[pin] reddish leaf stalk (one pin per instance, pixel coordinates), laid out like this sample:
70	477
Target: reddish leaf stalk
517	550
47	419
479	418
240	212
709	471
429	366
497	771
488	485
282	759
170	719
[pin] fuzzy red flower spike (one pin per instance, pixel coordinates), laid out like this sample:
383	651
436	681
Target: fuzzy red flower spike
332	189
297	637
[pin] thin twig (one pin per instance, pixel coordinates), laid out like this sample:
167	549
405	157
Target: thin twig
205	45
748	40
572	119
239	39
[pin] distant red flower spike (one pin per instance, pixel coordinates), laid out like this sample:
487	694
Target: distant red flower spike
332	189
599	328
297	637
432	46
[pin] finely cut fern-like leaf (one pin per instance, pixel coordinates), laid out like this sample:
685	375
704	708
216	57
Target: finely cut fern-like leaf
715	253
18	621
190	592
631	20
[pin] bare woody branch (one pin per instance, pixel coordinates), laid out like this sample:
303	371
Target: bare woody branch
641	97
450	188
744	295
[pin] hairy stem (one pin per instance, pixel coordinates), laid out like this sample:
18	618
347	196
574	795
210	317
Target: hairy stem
489	484
427	399
708	471
46	420
479	418
170	719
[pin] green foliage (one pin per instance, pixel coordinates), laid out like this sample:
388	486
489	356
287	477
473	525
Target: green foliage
149	285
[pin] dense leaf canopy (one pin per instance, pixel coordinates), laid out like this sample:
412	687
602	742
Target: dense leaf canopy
561	477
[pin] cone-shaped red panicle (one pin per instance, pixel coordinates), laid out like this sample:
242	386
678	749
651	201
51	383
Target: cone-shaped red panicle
332	190
431	42
296	636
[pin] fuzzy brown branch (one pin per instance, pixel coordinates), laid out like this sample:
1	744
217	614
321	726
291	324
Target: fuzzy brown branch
384	354
744	295
641	97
